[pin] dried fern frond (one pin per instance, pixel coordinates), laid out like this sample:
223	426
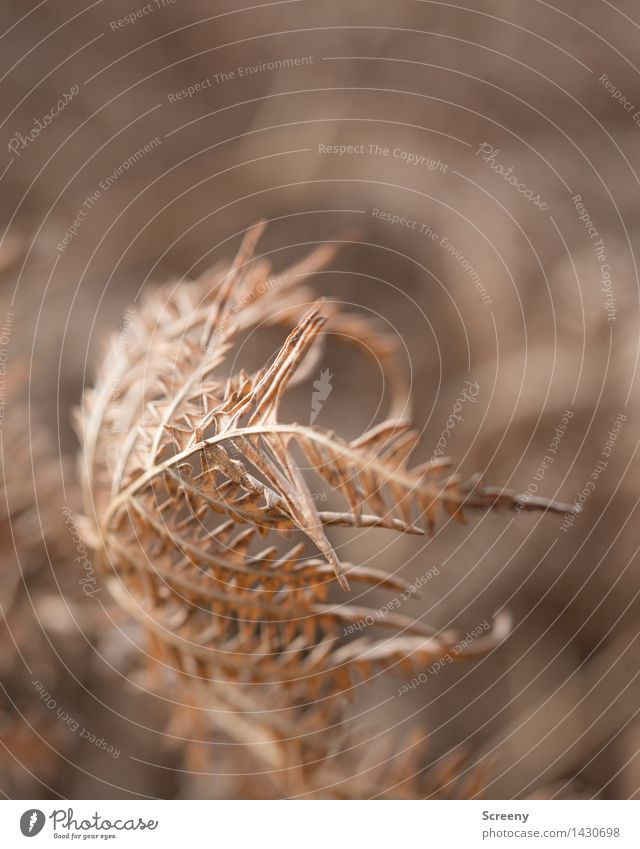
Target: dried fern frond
186	466
32	535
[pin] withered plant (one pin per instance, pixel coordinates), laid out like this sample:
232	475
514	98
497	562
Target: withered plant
32	536
187	466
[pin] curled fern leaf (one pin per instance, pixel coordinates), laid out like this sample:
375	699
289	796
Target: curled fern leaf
187	465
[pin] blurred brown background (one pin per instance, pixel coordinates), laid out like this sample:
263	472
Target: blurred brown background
556	705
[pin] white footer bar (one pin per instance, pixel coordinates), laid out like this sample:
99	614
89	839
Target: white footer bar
319	824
